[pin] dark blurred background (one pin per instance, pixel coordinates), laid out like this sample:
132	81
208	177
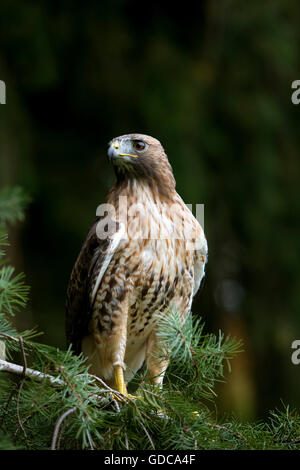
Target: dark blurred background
212	81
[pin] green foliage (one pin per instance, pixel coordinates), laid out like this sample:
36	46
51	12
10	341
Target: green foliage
12	204
197	359
175	417
65	407
13	291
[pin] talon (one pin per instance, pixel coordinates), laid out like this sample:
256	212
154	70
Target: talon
128	395
125	395
113	396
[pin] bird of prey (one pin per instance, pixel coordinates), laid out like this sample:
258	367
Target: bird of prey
143	256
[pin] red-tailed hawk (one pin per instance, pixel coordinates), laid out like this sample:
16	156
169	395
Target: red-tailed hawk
145	254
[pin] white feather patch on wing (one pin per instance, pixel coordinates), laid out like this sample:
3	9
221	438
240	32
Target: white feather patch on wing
114	243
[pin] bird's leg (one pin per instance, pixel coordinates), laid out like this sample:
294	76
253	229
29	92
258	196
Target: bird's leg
119	379
120	382
156	366
117	342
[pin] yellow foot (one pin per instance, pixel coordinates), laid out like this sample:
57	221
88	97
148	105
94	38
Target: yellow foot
121	397
121	385
132	397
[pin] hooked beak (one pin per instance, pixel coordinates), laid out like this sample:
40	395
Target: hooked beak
114	151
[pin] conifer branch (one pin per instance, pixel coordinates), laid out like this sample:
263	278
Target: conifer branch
58	425
6	366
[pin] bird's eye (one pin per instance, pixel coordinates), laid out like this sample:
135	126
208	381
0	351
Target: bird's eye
139	145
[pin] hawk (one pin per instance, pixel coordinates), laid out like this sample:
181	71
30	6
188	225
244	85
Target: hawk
144	255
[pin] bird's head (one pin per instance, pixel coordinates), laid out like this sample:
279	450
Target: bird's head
143	158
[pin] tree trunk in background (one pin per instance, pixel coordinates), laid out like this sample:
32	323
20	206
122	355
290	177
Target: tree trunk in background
238	393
